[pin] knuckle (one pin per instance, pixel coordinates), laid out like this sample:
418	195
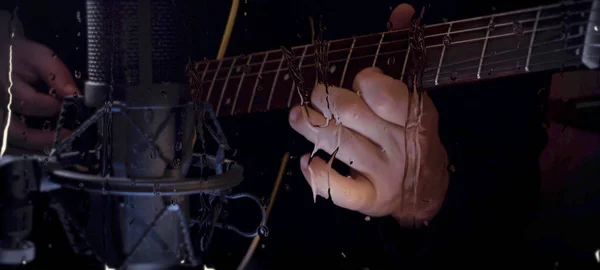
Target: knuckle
347	110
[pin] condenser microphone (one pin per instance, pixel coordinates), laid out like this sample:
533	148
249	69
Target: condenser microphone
136	62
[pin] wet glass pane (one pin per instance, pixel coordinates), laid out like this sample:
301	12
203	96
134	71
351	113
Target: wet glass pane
147	134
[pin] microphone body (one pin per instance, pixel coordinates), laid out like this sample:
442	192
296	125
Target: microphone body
136	56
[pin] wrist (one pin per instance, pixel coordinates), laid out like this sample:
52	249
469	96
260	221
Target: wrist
416	212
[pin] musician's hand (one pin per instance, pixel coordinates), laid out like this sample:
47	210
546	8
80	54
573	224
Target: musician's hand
373	145
32	63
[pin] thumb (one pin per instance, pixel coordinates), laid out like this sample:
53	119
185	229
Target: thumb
355	194
401	15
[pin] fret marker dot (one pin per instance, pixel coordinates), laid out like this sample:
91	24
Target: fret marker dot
332	69
238	69
491	27
228	101
518	28
286	77
447	40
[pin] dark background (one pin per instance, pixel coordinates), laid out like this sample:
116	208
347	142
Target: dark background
492	132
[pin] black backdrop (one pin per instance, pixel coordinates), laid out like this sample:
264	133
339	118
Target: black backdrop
491	130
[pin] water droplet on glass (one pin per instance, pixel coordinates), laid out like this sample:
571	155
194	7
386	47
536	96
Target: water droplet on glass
81	186
148	115
367	218
332	69
454	76
445	19
78	34
286	77
577	51
52	76
247	69
174	201
389	25
518	64
78	15
133	165
517	28
452	168
57	36
132	182
176	163
287	187
178	146
77	74
23	261
490	72
447	40
493	8
52	92
343	255
46	126
152	153
491	27
245	13
163	94
289	173
47	150
391	60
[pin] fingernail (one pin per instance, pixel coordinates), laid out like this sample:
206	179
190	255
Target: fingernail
304	162
71	89
294	115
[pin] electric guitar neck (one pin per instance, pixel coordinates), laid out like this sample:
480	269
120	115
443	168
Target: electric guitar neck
530	40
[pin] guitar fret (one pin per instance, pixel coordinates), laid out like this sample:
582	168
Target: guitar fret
535	24
347	61
405	62
237	92
257	81
378	48
275	81
437	74
487	35
213	80
205	70
225	85
294	83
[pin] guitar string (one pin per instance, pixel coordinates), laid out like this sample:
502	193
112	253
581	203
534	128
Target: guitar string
531	67
429	74
389	33
463	31
539	31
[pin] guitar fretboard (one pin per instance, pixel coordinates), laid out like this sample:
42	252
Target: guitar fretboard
497	45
